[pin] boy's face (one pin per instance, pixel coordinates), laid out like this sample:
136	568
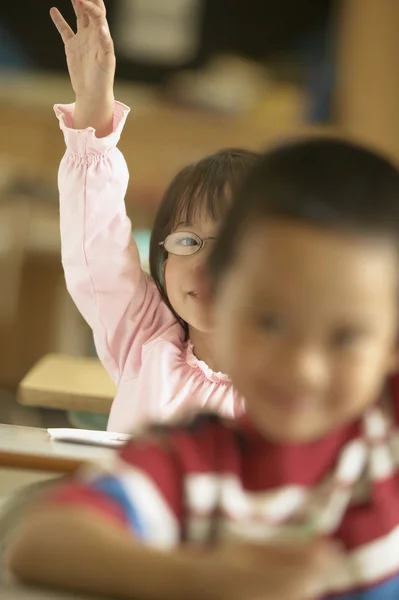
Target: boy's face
306	326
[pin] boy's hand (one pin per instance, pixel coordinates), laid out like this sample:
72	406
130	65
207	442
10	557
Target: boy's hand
91	63
266	572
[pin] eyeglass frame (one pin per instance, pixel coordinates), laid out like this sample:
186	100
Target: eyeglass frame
202	242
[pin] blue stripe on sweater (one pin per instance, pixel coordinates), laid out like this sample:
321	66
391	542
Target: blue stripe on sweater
113	488
389	590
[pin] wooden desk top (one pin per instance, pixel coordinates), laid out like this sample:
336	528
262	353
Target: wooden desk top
32	448
68	383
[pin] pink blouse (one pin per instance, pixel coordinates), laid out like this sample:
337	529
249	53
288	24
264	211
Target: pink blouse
138	339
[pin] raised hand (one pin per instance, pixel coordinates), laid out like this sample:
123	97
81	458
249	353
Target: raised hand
91	63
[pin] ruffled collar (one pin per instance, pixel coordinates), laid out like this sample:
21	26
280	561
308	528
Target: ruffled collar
193	361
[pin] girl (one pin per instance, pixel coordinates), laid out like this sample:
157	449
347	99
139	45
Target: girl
303	293
148	332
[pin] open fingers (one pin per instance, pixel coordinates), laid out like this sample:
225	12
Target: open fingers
95	10
82	19
62	26
99	3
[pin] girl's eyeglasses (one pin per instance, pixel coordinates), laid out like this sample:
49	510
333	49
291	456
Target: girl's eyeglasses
184	243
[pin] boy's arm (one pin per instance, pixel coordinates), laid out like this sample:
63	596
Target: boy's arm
71	548
106	529
74	550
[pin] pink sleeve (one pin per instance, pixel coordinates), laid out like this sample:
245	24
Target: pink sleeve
101	262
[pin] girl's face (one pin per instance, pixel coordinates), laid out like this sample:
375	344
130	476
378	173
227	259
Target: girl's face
305	324
181	271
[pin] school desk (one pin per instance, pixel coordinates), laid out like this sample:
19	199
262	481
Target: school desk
68	383
32	449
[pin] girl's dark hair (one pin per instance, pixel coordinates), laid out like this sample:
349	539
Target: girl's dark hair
207	185
325	182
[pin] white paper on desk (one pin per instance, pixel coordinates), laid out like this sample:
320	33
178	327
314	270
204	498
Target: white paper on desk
89	437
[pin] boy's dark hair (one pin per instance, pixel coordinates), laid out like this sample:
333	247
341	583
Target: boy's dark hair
325	182
207	185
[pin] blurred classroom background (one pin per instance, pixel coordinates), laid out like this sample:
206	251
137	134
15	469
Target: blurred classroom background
199	75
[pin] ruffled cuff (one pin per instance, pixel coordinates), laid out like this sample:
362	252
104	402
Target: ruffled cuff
84	141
